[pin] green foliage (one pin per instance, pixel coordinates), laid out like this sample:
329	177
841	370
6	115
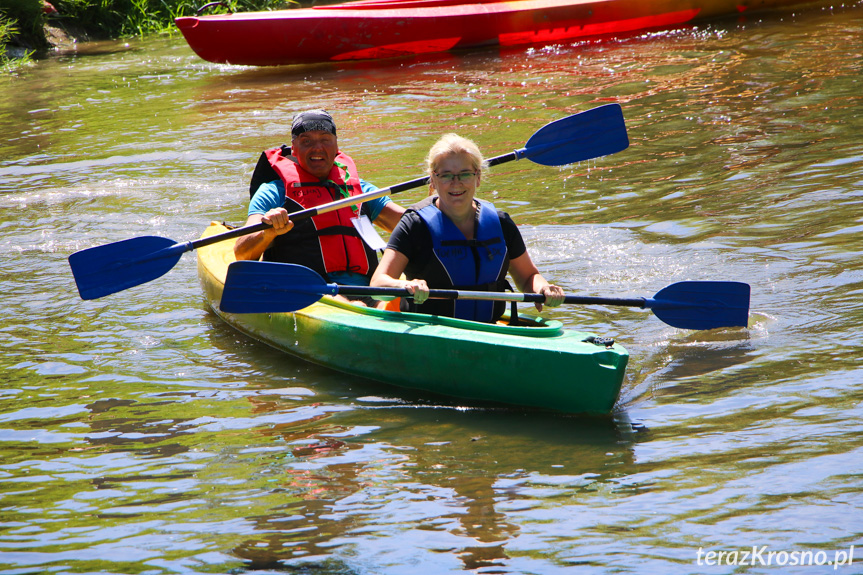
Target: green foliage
24	21
119	18
23	11
7	29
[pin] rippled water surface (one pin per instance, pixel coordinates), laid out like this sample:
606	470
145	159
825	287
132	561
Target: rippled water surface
139	434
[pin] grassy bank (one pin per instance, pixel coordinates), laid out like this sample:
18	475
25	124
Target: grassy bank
23	22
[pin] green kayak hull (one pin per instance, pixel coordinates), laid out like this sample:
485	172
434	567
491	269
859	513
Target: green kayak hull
536	364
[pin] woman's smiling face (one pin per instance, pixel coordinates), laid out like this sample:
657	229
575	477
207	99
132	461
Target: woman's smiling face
456	195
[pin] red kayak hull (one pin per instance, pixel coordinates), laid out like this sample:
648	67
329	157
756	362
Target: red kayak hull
373	29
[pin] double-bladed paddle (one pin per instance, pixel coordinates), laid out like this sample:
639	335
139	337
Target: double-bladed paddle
269	287
107	269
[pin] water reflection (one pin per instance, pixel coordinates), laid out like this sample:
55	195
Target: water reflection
453	487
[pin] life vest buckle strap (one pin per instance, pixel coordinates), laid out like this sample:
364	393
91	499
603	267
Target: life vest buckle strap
472	243
339	231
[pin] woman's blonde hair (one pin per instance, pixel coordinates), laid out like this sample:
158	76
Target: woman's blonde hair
454	144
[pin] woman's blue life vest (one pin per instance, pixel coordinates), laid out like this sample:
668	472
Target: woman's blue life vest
327	242
478	264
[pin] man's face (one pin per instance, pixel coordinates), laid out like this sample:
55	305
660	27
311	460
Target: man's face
316	151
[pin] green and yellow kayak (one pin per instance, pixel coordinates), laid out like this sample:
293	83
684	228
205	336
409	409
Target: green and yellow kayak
536	363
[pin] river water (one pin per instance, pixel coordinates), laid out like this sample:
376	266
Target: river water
139	434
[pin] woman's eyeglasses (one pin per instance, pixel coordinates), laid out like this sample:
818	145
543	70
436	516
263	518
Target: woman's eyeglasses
450	178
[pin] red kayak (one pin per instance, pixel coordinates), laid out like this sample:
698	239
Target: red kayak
372	29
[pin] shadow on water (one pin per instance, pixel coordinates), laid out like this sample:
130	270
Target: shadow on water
455	473
691	365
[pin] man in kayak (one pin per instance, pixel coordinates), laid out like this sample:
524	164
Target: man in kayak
452	240
314	172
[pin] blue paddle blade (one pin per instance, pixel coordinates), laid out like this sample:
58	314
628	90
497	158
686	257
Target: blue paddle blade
591	134
270	287
702	304
107	269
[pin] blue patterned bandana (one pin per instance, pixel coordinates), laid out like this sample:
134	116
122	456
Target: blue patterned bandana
311	121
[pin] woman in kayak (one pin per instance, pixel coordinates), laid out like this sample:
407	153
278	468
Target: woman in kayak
453	240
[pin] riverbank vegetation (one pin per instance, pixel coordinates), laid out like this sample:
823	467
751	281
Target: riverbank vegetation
7	31
27	27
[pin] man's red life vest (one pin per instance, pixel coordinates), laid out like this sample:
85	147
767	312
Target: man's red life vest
327	242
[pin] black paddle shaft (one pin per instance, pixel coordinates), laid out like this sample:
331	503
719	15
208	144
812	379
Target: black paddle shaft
301	215
332	289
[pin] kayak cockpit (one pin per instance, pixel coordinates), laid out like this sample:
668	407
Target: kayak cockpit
527	325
